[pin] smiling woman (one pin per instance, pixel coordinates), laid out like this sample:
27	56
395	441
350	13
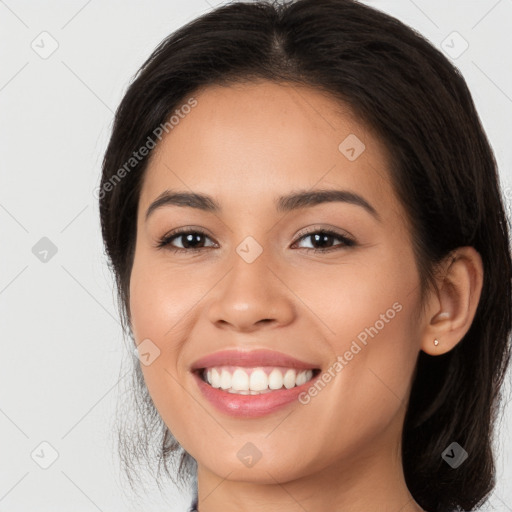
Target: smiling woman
314	264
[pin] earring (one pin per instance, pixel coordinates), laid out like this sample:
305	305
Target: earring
436	342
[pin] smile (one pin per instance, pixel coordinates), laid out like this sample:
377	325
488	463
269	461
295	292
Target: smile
257	380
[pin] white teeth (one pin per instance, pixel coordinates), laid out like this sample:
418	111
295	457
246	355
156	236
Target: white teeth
240	381
225	379
248	392
301	378
275	379
258	380
255	380
214	378
289	379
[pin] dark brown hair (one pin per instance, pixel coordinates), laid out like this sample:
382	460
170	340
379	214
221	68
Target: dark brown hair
443	170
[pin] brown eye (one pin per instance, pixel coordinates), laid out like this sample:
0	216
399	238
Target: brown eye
323	239
191	240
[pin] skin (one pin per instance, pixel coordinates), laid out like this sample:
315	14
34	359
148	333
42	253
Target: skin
245	145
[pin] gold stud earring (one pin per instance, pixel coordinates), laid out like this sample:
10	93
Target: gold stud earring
436	342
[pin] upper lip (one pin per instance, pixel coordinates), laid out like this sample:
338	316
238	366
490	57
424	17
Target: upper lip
250	358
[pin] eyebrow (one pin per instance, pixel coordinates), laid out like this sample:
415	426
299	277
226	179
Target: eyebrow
292	201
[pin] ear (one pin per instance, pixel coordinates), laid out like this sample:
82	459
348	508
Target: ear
451	309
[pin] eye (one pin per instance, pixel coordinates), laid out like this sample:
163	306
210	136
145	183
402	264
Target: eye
324	237
192	240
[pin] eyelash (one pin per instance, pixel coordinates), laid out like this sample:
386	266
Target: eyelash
167	239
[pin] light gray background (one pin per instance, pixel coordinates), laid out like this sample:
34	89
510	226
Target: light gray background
62	343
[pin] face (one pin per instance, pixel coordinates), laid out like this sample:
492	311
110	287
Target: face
333	283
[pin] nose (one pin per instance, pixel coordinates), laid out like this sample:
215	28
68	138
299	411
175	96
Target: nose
251	296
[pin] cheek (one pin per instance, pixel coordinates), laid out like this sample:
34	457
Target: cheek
160	323
156	314
366	296
162	299
370	317
368	382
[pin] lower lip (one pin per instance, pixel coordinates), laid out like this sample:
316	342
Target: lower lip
250	406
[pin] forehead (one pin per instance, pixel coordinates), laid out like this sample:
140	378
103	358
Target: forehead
247	142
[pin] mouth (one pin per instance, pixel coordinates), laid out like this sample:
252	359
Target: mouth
250	384
243	380
266	389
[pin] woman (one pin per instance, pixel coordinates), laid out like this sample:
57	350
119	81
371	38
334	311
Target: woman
302	213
